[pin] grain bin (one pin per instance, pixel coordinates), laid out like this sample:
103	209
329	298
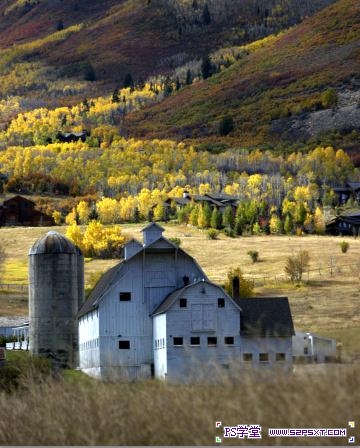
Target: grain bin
56	281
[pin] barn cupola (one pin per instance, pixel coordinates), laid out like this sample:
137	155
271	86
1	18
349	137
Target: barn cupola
151	233
131	248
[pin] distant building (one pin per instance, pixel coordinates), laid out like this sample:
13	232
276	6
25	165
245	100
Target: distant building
346	223
68	137
20	211
351	190
215	200
310	347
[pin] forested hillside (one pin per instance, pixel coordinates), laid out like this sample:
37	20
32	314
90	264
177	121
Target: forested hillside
163	96
301	86
55	50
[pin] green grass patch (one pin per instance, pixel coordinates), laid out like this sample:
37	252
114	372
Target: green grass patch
15	271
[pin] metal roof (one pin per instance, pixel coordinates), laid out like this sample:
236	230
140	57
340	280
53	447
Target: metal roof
101	287
266	316
53	243
152	224
112	275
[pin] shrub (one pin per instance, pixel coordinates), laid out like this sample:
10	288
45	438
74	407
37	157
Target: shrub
22	368
296	265
230	232
212	234
254	255
176	241
344	246
246	286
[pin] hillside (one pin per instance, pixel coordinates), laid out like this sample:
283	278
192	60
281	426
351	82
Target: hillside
57	52
301	86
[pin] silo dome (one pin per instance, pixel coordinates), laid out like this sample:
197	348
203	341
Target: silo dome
56	283
53	243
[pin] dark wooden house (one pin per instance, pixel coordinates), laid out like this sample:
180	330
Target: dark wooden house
214	200
346	223
350	191
19	211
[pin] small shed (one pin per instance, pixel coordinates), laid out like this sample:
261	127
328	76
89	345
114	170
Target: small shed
311	347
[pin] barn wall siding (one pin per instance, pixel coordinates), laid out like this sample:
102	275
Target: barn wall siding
187	360
89	342
160	346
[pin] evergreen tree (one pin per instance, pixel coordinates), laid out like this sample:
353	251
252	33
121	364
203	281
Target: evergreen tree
115	96
128	81
206	18
89	72
228	218
207	214
193	218
206	67
288	225
216	219
226	126
188	80
60	25
168	88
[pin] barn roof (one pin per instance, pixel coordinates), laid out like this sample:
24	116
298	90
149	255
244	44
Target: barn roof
111	276
265	316
18	198
105	282
172	297
152	224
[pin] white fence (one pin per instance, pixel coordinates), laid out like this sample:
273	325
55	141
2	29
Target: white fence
23	345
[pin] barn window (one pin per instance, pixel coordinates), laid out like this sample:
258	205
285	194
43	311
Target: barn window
124	345
183	303
178	341
195	340
229	340
247	356
280	357
221	303
125	296
306	350
212	341
263	357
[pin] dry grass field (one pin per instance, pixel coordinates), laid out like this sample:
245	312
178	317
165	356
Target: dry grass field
327	301
78	411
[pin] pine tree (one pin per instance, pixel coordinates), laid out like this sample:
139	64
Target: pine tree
206	18
216	219
206	67
188	80
226	126
115	96
288	225
228	218
128	81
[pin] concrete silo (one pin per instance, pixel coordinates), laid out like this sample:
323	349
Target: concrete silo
56	283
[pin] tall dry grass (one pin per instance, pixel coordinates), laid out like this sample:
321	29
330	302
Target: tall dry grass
59	412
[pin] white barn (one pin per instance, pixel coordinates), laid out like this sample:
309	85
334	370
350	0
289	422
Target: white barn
157	314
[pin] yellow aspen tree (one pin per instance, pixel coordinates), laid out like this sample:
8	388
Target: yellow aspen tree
83	211
74	233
